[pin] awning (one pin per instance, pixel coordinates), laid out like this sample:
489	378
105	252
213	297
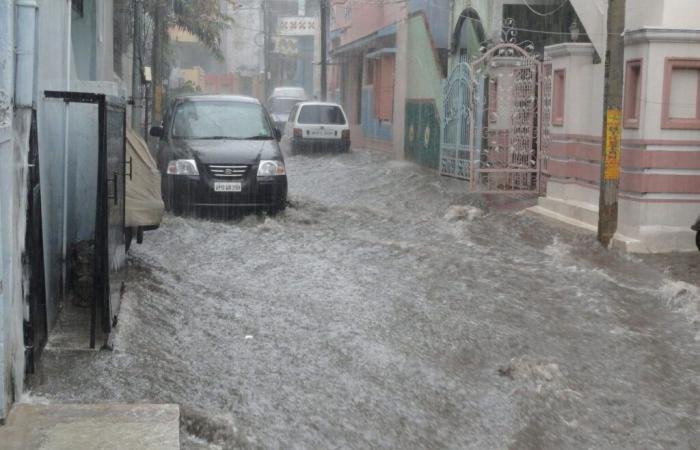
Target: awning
381	52
367	40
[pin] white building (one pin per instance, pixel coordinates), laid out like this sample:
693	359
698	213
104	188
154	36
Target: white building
660	163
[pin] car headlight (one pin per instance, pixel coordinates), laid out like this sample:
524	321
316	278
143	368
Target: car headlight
271	168
182	167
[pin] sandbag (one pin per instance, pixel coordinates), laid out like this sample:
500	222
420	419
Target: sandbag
144	202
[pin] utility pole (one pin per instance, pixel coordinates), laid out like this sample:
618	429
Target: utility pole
136	66
156	64
612	123
266	49
324	51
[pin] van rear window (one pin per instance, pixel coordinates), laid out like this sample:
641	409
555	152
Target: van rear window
322	114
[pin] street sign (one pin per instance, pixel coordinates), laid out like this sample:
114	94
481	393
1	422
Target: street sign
296	26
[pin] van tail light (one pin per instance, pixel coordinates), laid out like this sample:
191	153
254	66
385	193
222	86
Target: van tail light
346	134
298	133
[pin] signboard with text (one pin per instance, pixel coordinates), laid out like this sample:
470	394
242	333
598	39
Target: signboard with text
296	26
613	144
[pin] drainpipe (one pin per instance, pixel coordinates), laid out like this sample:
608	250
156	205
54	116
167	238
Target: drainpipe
24	52
66	125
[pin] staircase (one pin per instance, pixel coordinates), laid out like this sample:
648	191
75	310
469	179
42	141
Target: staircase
91	427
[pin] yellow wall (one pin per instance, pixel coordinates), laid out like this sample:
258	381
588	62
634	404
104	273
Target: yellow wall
179	35
195	75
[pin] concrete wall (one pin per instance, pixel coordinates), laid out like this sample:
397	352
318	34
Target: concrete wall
660	167
67	60
365	18
54	61
7	315
437	13
84	38
660	179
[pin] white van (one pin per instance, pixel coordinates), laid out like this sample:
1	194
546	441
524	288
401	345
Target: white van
281	103
317	125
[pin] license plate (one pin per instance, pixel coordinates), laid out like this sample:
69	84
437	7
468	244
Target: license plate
322	133
227	187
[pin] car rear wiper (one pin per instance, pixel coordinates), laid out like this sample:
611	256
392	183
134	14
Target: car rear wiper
218	137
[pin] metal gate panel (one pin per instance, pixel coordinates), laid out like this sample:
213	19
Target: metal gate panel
455	155
110	252
115	179
494	121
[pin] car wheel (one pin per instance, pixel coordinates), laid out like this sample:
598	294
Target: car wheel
277	208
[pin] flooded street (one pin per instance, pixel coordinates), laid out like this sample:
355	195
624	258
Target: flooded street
374	313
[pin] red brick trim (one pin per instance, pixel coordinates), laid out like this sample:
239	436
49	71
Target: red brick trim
654	159
657	183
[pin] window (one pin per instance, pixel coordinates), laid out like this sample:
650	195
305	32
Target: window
384	88
282	106
633	88
681	96
558	93
321	114
220	120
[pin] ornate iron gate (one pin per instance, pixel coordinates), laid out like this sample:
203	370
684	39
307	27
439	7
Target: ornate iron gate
493	121
455	153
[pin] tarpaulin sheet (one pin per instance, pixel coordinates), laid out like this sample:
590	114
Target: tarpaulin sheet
144	203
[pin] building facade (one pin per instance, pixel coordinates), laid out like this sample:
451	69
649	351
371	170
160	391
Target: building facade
659	176
388	63
48	159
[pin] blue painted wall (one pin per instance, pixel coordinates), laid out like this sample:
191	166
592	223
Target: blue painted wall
371	127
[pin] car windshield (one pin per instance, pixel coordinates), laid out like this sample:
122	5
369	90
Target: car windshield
220	120
282	105
321	114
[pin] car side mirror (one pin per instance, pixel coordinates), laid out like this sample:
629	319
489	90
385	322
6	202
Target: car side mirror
278	134
156	132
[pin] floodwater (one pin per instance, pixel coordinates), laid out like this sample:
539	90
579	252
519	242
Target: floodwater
372	313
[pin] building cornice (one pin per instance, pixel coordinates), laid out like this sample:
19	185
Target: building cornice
648	35
569	49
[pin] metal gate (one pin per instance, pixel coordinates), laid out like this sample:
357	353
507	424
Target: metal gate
492	126
458	117
110	253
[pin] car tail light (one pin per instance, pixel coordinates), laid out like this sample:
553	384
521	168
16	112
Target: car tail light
346	134
298	133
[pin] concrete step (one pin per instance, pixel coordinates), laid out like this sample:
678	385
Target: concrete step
92	426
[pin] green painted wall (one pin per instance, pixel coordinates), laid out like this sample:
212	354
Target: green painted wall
424	97
422	136
424	79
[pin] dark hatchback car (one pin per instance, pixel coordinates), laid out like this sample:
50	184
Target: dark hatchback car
219	152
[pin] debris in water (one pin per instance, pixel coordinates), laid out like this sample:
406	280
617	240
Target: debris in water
528	369
467	213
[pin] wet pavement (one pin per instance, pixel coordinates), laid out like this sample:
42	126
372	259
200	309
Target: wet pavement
373	313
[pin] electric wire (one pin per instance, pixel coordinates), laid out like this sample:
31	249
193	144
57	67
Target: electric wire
549	13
